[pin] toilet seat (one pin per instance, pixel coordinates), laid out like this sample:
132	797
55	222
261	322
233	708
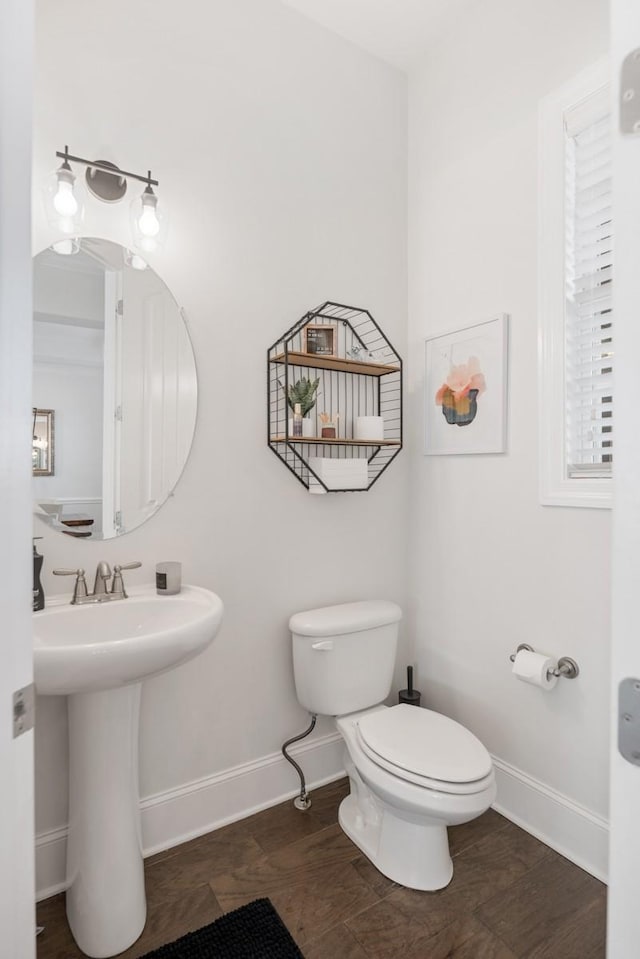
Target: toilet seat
426	748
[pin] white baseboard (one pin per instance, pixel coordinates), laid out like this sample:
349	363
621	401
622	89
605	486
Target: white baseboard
570	829
199	807
51	861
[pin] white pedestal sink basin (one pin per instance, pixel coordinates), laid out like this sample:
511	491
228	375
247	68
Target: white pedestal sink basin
98	655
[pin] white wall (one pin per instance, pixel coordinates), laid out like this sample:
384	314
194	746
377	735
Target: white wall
281	151
490	566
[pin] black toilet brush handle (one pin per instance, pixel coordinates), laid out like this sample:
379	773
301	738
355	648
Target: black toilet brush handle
409	695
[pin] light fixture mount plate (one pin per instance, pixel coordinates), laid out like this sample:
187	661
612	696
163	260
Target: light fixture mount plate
106	186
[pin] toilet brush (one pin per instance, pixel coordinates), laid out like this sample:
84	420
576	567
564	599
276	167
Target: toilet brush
409	695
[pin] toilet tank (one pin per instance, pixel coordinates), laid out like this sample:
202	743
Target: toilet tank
343	656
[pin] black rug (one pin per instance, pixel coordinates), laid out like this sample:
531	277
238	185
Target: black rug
254	931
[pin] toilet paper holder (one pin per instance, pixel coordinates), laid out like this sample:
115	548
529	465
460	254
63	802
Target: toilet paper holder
566	667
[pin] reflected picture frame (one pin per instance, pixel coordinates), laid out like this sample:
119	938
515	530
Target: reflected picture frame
43	442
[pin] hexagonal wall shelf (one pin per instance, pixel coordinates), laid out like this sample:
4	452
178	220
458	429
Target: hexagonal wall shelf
353	431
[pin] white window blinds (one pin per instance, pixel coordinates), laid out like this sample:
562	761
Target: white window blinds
589	341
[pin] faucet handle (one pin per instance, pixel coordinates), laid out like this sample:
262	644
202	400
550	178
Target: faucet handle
80	588
117	585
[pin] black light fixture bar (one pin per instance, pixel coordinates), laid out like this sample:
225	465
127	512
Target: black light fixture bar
98	165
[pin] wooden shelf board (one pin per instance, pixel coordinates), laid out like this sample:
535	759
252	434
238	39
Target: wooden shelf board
317	440
335	363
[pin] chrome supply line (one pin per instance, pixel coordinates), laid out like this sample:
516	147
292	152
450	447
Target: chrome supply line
303	801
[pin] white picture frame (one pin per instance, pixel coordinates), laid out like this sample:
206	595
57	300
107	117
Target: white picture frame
465	389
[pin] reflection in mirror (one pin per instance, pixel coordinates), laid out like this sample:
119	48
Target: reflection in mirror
42	445
112	356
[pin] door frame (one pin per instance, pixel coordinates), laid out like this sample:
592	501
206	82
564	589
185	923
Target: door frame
17	867
623	930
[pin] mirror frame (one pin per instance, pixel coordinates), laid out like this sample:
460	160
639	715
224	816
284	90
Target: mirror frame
183	316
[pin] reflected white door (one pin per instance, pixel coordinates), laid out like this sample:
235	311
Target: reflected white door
111	404
624	903
158	397
17	892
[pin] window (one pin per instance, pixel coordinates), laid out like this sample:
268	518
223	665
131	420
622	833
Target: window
576	282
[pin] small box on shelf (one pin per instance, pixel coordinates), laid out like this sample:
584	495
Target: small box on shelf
345	473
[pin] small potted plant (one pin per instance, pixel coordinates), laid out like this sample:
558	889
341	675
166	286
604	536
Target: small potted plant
303	392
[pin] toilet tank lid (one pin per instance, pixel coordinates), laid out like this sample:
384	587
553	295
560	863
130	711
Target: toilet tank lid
345	618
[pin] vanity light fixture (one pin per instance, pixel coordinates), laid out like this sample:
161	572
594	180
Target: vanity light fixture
106	182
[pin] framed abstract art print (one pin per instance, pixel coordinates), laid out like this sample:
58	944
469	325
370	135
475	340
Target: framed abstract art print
466	389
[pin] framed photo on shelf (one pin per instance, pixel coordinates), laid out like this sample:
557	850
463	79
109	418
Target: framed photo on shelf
320	339
466	389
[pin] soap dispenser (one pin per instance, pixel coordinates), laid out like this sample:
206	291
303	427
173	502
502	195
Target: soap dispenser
38	591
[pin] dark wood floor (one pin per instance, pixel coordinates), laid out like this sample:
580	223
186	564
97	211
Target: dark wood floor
511	897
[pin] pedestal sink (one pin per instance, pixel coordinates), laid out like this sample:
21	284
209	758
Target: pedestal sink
98	655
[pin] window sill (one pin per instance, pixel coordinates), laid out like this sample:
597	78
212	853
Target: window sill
590	494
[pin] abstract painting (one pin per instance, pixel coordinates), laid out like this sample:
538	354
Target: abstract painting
466	389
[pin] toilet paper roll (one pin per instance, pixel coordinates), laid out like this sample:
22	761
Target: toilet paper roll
534	668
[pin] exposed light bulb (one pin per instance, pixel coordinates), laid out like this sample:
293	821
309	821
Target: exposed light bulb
148	222
64	201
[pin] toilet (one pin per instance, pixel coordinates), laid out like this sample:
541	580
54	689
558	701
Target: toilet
412	771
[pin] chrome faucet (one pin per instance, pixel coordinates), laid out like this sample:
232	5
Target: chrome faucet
103	575
102	591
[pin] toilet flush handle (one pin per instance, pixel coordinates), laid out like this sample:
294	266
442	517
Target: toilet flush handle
325	645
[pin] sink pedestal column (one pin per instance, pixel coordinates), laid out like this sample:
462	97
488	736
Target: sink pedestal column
106	904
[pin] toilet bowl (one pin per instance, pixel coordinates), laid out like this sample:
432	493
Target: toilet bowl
398	817
412	771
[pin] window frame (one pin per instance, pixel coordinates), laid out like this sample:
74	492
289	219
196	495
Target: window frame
556	487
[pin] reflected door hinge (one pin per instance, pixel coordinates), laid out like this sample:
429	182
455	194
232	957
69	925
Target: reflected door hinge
117	519
630	94
120	307
24	710
118	414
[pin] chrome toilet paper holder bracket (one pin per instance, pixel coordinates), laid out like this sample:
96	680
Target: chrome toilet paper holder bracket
566	667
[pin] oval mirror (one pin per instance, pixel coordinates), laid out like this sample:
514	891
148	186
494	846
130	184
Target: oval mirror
114	369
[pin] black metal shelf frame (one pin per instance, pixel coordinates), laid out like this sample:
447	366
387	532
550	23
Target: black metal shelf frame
363	377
